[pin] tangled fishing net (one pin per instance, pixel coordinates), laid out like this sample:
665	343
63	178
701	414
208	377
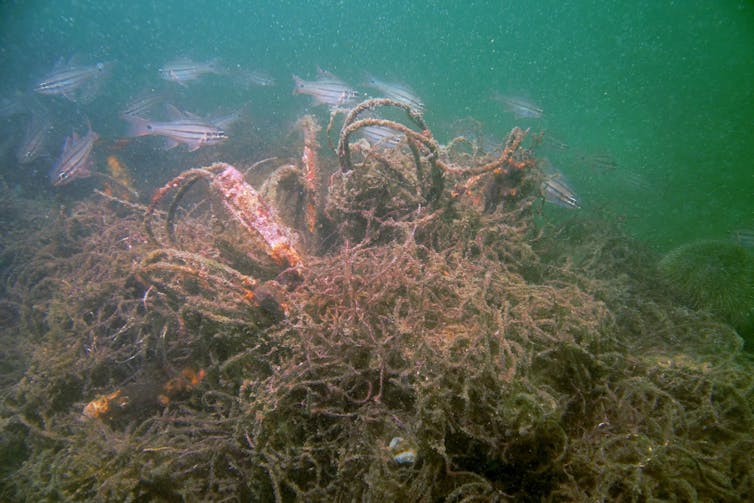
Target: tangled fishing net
385	325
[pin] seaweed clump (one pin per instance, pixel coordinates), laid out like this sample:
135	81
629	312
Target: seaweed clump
429	309
717	276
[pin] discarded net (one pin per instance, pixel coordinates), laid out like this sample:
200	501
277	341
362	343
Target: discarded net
425	301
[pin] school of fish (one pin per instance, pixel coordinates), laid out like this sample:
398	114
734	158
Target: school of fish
151	113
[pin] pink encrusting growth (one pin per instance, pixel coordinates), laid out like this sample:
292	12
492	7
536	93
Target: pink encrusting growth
310	128
245	205
254	214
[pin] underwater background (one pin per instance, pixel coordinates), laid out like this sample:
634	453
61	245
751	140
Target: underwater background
541	290
661	89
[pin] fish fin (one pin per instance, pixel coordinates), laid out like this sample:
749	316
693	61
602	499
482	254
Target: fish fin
215	66
74	60
137	126
194	146
193	116
59	63
67	143
85	171
87	92
325	74
368	77
170	144
173	113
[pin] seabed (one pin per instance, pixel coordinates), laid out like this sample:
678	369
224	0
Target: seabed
363	324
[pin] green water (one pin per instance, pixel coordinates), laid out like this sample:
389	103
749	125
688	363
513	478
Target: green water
663	88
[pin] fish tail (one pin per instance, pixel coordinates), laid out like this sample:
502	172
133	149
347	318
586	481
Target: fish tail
216	66
137	126
298	83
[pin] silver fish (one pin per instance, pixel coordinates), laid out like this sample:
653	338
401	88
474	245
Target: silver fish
603	162
184	70
75	161
556	190
79	84
142	104
397	92
227	121
35	138
381	136
10	107
744	237
326	90
552	142
186	128
256	77
490	144
521	108
631	180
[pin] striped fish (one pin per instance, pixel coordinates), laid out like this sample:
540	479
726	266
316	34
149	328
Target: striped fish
744	237
326	90
186	128
521	108
259	78
397	92
602	161
142	104
75	161
184	70
35	138
79	84
381	136
227	121
556	191
10	107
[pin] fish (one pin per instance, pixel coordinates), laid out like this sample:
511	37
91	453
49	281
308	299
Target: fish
554	143
397	92
142	104
76	83
490	144
556	191
35	138
744	237
382	136
186	128
10	107
75	161
632	180
256	77
521	108
183	70
227	121
603	162
326	90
